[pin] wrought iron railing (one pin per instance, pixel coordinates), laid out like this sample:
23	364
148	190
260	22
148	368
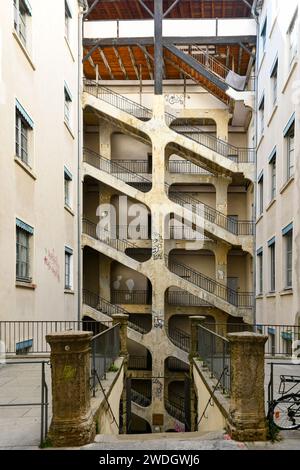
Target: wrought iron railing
98	303
240	155
180	338
91	229
236	227
105	350
214	351
221	147
139	362
139	398
176	365
208	61
184	298
134	297
29	337
136	166
142	232
116	169
117	100
238	299
175	407
187	167
184	232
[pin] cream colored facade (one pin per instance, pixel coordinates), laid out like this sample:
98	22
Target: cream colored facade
278	302
37	74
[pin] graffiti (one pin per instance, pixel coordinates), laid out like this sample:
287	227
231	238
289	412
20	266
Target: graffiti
51	261
178	427
174	99
158	322
157	247
158	387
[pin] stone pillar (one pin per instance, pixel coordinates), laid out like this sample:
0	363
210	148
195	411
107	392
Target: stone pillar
72	421
247	420
105	277
195	321
105	131
222	126
122	320
221	251
222	194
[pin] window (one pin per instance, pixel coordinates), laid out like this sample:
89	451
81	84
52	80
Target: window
263	37
23	234
22	10
272	253
68	268
288	253
272	163
68	17
293	38
274	82
289	134
24	125
68	102
262	116
260	272
67	182
260	194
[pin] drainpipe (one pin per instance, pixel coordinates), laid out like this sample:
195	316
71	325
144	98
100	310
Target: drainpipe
82	11
256	17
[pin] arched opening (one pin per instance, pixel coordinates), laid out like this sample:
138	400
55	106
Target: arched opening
129	287
140	358
138	425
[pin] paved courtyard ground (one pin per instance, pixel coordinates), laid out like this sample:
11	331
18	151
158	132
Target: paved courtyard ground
20	426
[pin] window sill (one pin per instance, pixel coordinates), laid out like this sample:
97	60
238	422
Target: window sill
293	67
70	292
260	141
25	167
286	292
15	35
261	62
273	25
259	297
287	184
25	285
271	295
69	129
68	209
271	204
272	114
69	47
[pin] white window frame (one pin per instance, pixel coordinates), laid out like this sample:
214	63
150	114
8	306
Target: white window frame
23	254
260	272
293	38
274	81
290	148
261	195
67	189
21	14
272	254
261	110
68	18
288	252
22	139
273	178
263	37
68	269
67	106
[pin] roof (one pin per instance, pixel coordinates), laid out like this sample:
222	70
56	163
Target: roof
184	9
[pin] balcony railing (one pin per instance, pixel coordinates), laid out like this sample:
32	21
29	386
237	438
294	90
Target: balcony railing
238	299
185	299
139	398
135	166
91	229
180	338
175	365
175	407
135	297
186	167
139	363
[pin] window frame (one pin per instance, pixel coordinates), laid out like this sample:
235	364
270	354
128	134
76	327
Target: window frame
68	17
68	279
263	36
288	251
24	234
260	271
260	182
273	175
293	45
290	163
67	106
22	11
274	81
272	260
67	188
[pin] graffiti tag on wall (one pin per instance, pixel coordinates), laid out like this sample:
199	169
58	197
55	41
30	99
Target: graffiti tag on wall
51	261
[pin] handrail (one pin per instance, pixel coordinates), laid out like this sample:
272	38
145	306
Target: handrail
98	303
209	62
240	155
90	228
236	227
115	169
180	338
115	99
244	299
139	398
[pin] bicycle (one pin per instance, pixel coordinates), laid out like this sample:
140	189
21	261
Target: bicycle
284	412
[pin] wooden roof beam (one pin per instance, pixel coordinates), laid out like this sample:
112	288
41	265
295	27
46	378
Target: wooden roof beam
121	65
133	62
105	61
147	57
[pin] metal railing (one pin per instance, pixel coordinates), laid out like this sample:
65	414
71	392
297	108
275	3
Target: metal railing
143	232
138	363
29	337
134	297
98	303
136	166
184	232
186	167
238	299
44	401
236	227
118	101
214	351
240	155
139	398
176	365
175	407
116	169
208	61
105	350
90	228
184	298
195	133
180	338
